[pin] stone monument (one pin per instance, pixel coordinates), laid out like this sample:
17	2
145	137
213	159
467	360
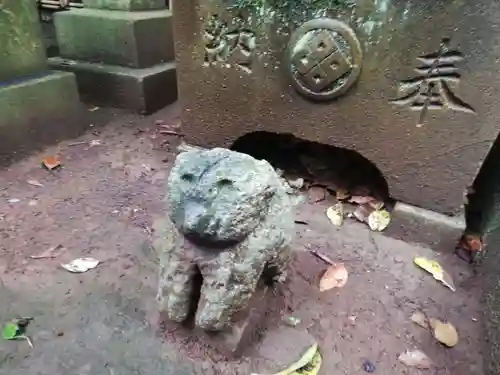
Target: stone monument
404	83
37	106
121	52
230	220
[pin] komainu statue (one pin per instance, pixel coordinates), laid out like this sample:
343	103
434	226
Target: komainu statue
230	219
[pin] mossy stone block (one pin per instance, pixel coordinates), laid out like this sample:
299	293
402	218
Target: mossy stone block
128	39
21	46
130	5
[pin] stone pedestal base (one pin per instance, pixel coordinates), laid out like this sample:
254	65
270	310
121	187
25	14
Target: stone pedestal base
245	329
141	90
232	343
38	111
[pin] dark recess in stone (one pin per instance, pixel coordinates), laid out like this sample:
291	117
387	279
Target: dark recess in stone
197	282
483	217
333	167
484	199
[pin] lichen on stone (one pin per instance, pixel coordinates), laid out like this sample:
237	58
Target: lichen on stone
289	12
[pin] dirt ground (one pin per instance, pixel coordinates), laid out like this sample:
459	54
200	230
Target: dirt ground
103	203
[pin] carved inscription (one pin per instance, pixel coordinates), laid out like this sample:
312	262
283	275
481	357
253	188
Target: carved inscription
229	44
431	88
324	59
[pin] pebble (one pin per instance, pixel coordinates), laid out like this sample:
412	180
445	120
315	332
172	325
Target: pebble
369	367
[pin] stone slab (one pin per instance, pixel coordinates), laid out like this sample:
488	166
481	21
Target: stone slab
21	47
428	156
130	5
129	39
36	112
419	226
140	90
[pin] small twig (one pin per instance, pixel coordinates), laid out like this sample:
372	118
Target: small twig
47	253
323	257
25	338
171	132
301	222
77	143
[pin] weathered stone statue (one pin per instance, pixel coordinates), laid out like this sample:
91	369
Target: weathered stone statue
231	219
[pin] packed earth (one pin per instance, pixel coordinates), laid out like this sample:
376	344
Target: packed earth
105	201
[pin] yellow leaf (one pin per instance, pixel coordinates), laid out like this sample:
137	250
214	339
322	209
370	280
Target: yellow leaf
303	361
312	368
378	220
336	214
431	266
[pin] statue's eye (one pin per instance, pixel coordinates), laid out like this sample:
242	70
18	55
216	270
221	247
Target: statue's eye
224	182
188	177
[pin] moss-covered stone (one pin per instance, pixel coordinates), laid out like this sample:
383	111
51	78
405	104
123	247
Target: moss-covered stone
21	47
129	39
130	5
38	111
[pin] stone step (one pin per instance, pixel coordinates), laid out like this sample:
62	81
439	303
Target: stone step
141	90
129	39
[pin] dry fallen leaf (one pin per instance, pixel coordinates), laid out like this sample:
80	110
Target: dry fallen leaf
376	205
472	242
378	220
415	358
362	212
341	194
80	265
435	269
445	333
335	276
361	199
95	142
419	318
35	183
336	214
51	162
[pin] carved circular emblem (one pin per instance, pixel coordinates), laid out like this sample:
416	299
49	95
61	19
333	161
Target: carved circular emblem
324	58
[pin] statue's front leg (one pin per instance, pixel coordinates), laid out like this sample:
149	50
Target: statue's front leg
228	284
177	271
176	288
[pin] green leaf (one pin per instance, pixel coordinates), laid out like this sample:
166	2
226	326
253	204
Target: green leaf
10	331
